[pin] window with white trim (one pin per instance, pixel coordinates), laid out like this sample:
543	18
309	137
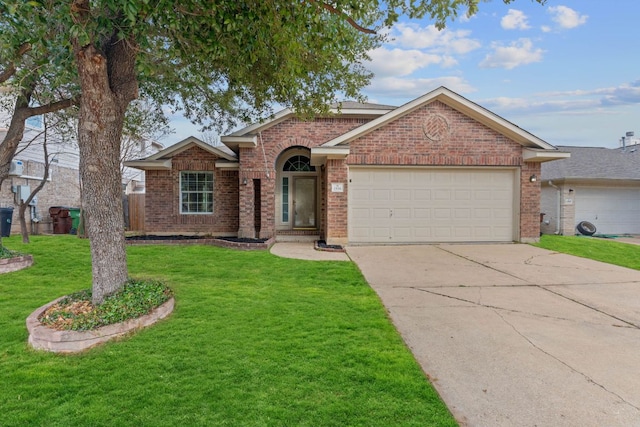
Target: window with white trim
196	192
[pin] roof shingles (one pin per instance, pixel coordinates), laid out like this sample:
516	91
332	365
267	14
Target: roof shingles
594	163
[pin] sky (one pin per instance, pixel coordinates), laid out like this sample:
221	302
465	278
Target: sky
566	71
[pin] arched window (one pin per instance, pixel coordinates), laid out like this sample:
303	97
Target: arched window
298	164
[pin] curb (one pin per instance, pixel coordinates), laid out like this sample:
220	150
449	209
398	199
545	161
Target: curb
16	263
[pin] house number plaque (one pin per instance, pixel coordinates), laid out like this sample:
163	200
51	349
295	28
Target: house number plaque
337	187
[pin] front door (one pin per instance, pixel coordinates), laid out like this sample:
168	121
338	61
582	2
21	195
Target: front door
304	202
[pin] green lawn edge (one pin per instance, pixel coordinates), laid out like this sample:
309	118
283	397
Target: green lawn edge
609	251
254	340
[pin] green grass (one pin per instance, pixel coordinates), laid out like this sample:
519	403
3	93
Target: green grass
609	251
255	340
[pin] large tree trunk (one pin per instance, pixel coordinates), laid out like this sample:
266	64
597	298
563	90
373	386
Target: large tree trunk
108	85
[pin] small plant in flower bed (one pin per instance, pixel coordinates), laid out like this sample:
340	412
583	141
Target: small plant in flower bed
6	253
75	312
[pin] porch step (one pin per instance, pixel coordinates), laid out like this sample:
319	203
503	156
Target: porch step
296	238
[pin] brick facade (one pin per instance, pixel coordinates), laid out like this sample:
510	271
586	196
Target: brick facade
467	143
162	209
433	135
258	164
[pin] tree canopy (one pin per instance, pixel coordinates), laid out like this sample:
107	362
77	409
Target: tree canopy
220	61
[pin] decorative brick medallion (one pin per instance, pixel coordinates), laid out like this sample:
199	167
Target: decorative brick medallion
436	127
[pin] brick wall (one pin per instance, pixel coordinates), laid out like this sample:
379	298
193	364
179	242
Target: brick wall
62	190
464	142
337	203
530	203
162	208
403	142
258	164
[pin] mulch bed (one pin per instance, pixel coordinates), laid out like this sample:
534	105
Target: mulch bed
180	237
223	241
321	245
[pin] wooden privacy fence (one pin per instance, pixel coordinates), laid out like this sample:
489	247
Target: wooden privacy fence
135	211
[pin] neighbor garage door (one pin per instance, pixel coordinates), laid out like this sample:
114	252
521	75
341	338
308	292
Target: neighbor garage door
414	205
611	210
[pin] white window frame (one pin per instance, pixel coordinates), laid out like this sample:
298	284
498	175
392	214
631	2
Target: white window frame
212	192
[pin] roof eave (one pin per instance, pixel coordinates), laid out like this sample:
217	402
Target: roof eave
235	142
227	165
320	155
533	155
185	144
147	165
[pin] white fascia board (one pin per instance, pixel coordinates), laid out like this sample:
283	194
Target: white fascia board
256	127
186	143
240	141
149	164
359	112
330	152
221	164
538	156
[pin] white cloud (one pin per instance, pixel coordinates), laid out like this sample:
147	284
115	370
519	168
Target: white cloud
408	89
416	37
576	102
399	62
545	29
514	20
520	52
566	17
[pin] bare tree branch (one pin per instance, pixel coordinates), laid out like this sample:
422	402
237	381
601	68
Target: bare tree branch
11	67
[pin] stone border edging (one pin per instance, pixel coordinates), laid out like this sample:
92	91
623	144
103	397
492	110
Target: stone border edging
42	337
7	265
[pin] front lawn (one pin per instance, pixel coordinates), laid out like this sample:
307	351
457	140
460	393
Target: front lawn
609	251
255	340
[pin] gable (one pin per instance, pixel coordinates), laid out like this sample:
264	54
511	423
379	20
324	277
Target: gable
435	133
162	160
438	128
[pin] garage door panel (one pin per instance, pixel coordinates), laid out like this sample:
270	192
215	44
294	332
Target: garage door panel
611	210
425	205
404	194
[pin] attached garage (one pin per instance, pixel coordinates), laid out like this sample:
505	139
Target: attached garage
422	205
611	210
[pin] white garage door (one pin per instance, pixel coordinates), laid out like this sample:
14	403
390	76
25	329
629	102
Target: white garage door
413	205
611	210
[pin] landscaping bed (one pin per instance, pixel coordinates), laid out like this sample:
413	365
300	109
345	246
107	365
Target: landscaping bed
223	241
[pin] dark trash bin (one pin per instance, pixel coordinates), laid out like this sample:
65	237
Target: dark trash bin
6	214
61	219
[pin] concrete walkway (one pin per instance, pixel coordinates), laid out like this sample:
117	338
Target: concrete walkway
513	335
305	250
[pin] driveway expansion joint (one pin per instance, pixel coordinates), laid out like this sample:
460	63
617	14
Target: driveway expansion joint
493	307
486	265
590	307
585	376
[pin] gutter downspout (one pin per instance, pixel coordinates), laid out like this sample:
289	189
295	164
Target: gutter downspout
559	192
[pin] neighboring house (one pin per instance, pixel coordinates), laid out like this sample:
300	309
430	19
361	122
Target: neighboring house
133	180
598	185
437	169
62	187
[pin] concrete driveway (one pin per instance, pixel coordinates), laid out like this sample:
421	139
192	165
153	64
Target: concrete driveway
513	335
